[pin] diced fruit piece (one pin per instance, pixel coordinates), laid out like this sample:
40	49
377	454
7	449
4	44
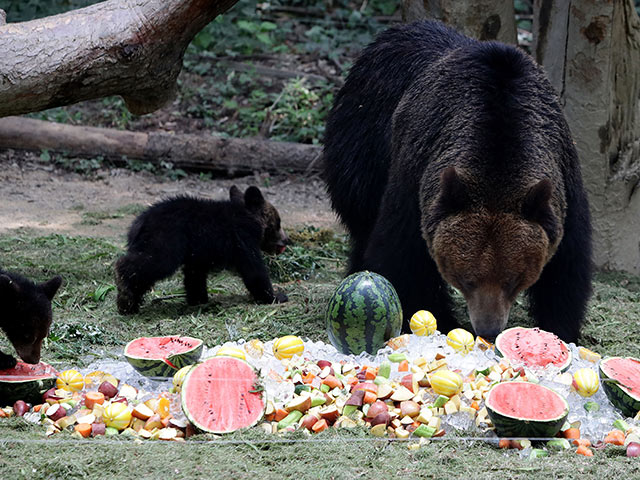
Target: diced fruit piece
142	412
83	429
108	389
301	403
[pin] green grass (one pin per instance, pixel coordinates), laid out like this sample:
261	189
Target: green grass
87	326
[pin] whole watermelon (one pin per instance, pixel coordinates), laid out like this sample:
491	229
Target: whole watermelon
363	313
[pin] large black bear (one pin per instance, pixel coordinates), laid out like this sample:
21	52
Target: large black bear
449	161
25	315
201	236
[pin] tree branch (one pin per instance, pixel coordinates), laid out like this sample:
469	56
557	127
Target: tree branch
132	48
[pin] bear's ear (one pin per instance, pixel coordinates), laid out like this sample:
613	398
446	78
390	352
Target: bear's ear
536	207
235	195
8	286
51	287
453	192
253	199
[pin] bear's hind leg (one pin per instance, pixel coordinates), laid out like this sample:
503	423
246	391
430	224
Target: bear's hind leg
136	273
195	284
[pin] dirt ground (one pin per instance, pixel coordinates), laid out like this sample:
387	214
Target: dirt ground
46	199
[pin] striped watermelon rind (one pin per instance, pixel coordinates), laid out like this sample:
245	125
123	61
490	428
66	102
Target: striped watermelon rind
512	425
26	382
227	409
533	359
185	351
363	313
619	395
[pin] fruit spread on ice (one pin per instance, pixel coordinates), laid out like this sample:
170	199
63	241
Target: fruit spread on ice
417	387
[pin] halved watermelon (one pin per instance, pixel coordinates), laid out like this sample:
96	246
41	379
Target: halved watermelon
533	348
162	356
621	381
26	382
222	394
524	409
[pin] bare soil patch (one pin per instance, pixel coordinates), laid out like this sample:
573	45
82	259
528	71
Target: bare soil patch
41	197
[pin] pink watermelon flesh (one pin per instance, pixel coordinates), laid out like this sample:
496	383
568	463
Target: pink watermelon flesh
626	371
27	371
526	401
161	347
219	395
533	347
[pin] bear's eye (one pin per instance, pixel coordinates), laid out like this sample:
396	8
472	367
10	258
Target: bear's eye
467	284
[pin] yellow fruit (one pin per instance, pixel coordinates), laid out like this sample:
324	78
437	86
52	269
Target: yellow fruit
460	340
231	351
254	348
178	378
445	382
287	347
589	355
423	323
70	380
94	379
586	382
117	415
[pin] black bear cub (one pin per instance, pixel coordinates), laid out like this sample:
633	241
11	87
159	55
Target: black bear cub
26	315
201	236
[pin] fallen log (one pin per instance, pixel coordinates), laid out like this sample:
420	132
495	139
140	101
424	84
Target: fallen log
229	156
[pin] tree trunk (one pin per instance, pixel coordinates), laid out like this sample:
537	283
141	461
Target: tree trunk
591	51
231	156
131	48
481	19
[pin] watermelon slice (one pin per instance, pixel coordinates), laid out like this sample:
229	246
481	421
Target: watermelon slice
162	356
523	409
533	348
621	381
26	382
222	394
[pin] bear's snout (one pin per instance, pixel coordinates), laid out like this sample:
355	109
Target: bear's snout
488	311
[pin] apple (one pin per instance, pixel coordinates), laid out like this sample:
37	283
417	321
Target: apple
330	414
20	408
376	408
50	394
300	403
142	412
108	389
56	412
356	398
381	419
154	421
308	421
323	363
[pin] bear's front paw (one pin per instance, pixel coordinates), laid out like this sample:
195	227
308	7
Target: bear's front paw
281	297
7	361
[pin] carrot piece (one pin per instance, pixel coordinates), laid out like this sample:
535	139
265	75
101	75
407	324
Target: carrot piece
280	414
308	378
475	405
36	408
370	373
369	397
584	450
165	421
83	429
93	398
582	441
615	437
571	433
403	366
332	382
320	425
3	413
351	381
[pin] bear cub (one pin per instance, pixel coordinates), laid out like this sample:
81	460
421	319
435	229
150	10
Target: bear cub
26	315
201	236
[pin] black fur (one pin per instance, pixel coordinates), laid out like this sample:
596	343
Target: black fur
423	101
201	236
26	315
